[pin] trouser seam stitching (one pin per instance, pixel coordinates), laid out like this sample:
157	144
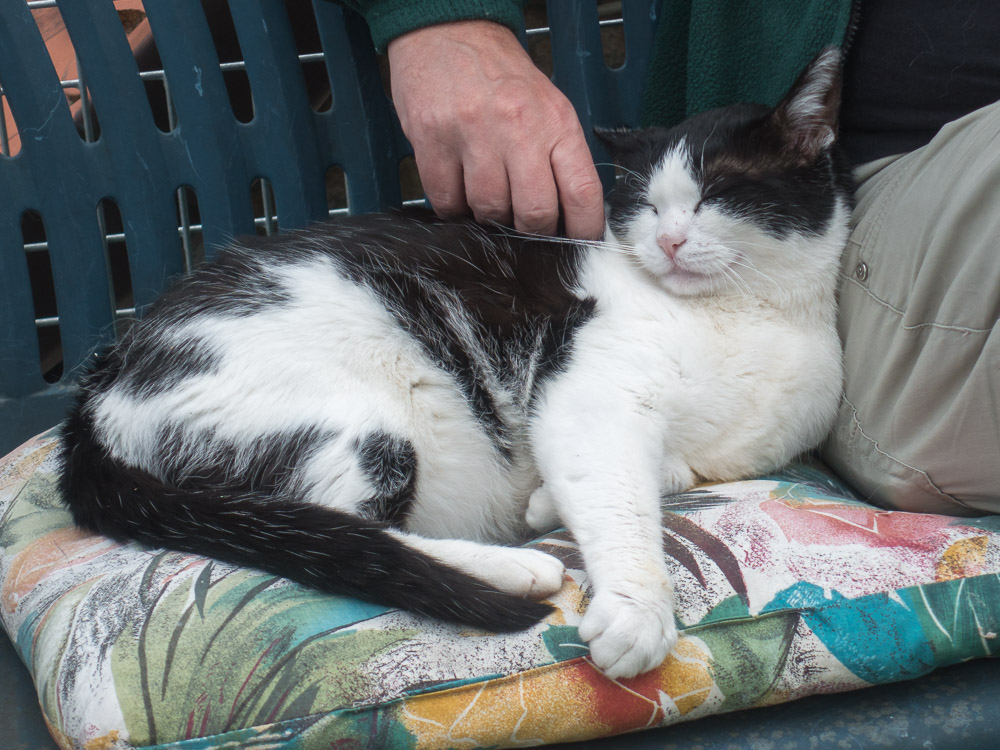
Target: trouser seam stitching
882	452
900	313
872	237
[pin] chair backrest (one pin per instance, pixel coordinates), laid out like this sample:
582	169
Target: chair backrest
79	212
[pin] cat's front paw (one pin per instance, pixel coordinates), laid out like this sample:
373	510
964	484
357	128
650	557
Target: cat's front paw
629	634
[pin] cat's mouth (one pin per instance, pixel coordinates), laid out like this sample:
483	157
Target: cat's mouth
688	281
682	273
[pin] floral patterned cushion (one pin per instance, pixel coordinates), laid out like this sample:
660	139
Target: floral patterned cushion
787	587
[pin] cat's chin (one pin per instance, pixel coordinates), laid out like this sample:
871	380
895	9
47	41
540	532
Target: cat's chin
684	282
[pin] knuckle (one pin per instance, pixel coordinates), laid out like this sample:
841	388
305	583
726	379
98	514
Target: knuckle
584	192
423	120
563	114
512	112
537	216
490	210
514	104
489	197
560	113
467	112
439	123
446	203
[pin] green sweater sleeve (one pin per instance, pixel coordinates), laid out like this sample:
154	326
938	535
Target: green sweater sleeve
388	19
709	53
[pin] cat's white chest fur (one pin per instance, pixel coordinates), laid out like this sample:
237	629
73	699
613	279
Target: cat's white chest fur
664	390
730	386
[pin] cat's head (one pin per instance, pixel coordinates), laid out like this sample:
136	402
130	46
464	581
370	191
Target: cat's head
743	198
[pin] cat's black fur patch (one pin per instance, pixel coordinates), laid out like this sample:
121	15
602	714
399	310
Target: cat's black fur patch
193	461
234	284
390	463
148	363
739	160
481	301
753	174
326	549
164	364
778	168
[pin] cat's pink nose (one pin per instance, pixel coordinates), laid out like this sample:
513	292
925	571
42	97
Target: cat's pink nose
670	243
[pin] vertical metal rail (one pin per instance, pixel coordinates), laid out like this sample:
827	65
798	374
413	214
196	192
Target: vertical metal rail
4	138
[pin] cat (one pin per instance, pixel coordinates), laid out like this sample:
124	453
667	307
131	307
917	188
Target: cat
377	406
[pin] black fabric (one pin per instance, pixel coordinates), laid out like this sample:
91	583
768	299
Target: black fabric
913	66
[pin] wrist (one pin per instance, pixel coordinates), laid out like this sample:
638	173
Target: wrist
426	40
389	20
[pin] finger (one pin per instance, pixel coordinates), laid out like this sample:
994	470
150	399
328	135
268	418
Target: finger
487	188
442	179
534	197
581	193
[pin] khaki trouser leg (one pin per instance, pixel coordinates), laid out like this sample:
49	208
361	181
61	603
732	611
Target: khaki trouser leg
919	424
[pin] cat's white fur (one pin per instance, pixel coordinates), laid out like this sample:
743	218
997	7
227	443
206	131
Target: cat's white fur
676	377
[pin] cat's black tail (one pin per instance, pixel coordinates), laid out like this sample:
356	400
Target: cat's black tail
320	547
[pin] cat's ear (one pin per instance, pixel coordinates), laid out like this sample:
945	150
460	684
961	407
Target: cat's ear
808	115
620	142
630	148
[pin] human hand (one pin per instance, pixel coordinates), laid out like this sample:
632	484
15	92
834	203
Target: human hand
490	132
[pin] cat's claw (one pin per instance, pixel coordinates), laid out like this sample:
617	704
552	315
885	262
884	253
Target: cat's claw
628	635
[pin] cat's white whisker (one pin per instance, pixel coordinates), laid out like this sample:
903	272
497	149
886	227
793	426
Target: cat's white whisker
598	244
705	143
779	289
740	283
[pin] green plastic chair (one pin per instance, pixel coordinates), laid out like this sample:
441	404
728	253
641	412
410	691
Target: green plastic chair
63	267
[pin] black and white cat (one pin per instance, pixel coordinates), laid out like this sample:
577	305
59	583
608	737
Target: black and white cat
368	406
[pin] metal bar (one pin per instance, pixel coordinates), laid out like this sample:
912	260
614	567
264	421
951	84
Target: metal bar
185	227
545	29
186	230
182	207
36	247
4	141
85	108
171	113
267	205
72	83
107	264
121	312
158	75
